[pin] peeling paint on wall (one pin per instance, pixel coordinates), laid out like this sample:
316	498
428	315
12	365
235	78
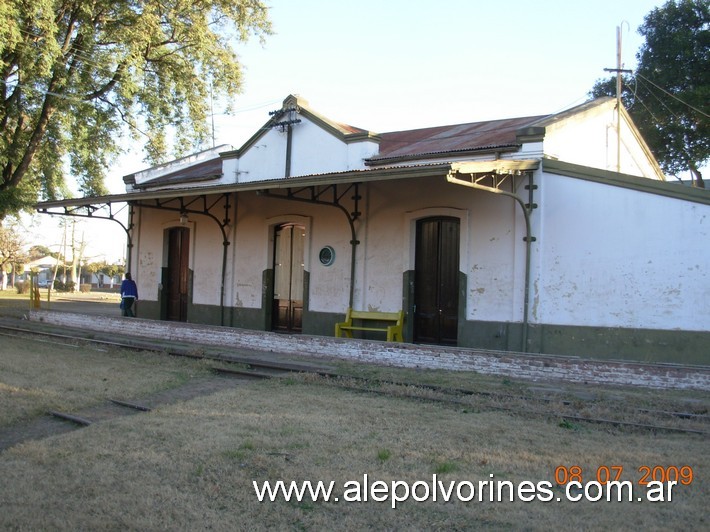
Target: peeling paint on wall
147	260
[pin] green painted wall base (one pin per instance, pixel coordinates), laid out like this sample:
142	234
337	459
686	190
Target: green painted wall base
150	310
314	323
643	345
244	318
647	345
321	323
499	336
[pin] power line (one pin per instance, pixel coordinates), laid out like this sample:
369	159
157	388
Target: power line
661	102
643	104
87	59
673	96
90	61
25	86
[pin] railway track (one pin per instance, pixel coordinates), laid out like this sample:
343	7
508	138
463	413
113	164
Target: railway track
570	411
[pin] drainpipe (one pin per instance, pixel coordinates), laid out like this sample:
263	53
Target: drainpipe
529	239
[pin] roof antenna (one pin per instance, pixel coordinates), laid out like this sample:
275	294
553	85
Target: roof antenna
212	113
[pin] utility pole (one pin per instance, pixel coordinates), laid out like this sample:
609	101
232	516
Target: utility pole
287	126
619	70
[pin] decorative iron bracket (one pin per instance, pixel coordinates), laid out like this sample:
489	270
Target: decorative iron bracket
94	212
195	205
328	195
199	205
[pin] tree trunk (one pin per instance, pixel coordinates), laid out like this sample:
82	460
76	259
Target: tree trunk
77	257
697	177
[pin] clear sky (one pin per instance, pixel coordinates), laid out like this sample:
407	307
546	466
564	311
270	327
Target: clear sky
400	64
387	65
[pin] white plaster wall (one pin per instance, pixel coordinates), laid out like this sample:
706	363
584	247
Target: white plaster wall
316	151
206	260
205	254
615	257
253	250
265	159
590	139
380	256
313	151
490	236
148	249
330	285
359	151
604	256
249	253
634	159
230	170
496	266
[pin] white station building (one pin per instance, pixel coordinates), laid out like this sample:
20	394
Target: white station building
545	234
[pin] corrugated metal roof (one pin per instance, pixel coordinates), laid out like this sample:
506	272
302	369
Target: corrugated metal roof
201	171
453	138
348	129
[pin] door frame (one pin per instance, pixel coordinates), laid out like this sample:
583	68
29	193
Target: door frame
436	304
409	241
295	263
270	227
163	295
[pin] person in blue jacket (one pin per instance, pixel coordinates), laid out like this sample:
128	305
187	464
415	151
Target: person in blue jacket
129	294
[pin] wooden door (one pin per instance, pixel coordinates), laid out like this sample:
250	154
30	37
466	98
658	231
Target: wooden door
436	281
178	273
289	240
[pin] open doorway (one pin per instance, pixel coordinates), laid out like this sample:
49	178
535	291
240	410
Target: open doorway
289	243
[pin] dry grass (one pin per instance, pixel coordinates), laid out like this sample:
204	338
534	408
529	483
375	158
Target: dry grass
191	465
40	375
14	304
17	305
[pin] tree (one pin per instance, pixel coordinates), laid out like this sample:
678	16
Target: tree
11	245
668	94
74	76
39	251
115	270
103	267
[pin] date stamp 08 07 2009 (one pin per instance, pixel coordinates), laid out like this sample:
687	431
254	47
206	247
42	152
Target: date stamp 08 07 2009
682	475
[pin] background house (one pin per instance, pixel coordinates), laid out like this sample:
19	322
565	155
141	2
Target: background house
45	268
552	234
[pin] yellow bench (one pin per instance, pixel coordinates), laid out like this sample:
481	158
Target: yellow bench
394	332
